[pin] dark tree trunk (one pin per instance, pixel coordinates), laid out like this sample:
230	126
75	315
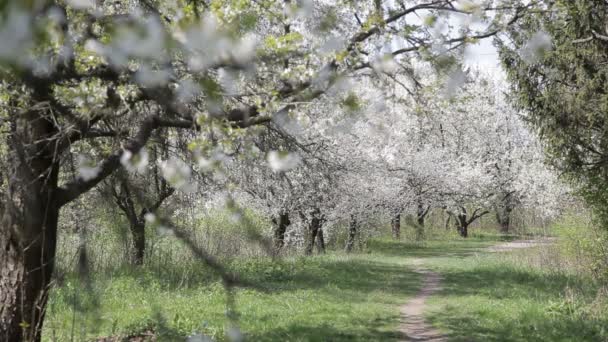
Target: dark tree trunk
320	241
314	228
463	221
26	273
352	234
281	226
463	230
28	232
503	217
504	221
462	225
421	213
503	213
137	222
138	233
396	226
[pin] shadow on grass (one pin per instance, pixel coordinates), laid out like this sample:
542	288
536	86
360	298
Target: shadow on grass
364	331
510	304
455	248
529	328
342	282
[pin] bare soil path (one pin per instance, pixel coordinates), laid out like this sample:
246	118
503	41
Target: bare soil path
413	326
517	244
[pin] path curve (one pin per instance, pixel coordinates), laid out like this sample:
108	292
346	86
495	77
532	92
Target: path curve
413	326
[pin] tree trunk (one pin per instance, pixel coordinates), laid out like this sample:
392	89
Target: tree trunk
463	230
138	233
281	226
314	227
462	225
503	213
28	232
26	274
421	213
504	221
396	226
463	221
320	241
503	217
352	234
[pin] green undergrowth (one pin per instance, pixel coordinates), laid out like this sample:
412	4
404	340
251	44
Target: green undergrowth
333	297
534	294
520	295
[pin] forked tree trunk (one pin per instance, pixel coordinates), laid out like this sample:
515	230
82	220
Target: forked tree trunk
396	226
352	234
28	232
137	221
463	230
463	226
463	221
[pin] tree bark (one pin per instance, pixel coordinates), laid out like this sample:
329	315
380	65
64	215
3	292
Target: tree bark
281	225
462	224
463	221
504	222
503	217
463	230
138	233
28	232
396	226
352	234
320	241
421	213
314	228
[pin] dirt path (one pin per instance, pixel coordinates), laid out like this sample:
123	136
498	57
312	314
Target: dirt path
517	244
413	326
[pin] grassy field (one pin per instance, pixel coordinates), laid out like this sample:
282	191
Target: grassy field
332	297
523	295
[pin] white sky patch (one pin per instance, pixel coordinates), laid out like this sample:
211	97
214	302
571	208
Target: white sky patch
482	55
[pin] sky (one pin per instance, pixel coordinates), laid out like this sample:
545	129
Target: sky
483	55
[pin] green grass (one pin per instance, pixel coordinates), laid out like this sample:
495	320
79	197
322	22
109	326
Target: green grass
511	297
523	295
333	297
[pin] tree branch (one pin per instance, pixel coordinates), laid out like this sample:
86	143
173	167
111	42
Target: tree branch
72	190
